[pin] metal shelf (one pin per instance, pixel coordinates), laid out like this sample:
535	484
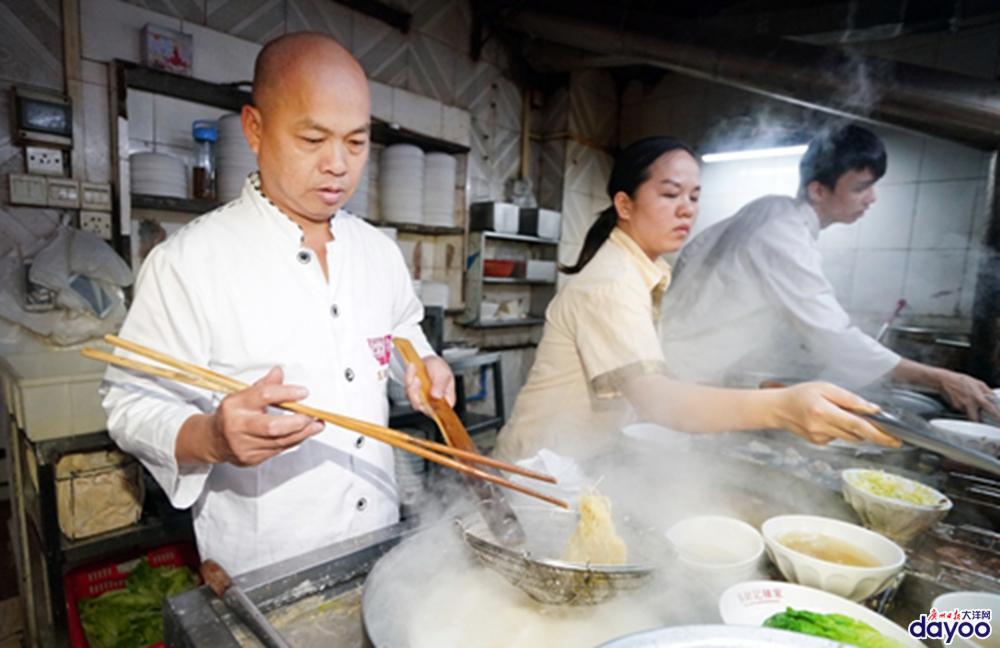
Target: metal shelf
420	228
524	321
478	422
166	203
149	531
517	281
519	237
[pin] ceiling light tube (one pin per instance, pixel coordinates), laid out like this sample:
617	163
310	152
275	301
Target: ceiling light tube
754	154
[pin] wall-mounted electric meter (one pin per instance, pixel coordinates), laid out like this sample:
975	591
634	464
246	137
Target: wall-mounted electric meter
42	118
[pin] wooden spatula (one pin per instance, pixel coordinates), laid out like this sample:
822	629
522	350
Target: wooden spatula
492	504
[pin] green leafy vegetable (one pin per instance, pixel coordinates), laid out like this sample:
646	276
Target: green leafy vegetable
832	626
133	617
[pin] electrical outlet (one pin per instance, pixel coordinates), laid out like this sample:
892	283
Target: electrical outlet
27	190
95	196
96	222
46	161
63	192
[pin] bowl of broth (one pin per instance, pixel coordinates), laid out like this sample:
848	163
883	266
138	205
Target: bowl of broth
832	555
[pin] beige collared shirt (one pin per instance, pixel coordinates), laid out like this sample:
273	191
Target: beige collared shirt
600	331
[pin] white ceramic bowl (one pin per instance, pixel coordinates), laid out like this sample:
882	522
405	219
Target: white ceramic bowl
978	436
855	583
970	601
722	550
753	602
897	519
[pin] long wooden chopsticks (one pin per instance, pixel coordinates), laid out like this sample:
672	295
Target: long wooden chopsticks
194	375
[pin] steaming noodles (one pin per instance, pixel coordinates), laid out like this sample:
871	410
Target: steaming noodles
828	548
595	540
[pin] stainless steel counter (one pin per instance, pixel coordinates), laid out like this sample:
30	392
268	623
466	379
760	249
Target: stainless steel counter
319	579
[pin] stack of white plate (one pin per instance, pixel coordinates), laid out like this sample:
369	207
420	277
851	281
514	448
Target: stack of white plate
439	189
157	174
434	293
233	158
401	183
357	204
410	471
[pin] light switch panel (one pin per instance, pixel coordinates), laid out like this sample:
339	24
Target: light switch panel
63	192
95	196
27	190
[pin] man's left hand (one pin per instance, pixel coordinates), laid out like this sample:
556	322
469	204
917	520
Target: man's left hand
967	394
442	384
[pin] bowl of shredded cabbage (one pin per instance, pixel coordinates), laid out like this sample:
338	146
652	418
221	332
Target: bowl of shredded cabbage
895	506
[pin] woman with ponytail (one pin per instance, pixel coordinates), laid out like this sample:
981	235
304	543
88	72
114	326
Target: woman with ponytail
600	363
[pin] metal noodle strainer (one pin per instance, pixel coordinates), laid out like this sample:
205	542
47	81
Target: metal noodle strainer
535	567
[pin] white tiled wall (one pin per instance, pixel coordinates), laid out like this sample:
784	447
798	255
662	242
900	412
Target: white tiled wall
918	241
593	132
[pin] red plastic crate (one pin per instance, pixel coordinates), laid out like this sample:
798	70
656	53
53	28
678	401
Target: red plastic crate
94	580
499	267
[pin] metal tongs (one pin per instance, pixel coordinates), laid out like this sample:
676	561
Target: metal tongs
916	431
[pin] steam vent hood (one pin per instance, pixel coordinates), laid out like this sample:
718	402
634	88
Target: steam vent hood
831	79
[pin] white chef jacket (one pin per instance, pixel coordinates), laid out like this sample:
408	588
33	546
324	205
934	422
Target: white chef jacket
236	291
749	295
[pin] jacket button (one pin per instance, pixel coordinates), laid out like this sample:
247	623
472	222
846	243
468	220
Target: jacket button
349	374
360	442
303	256
362	504
334	311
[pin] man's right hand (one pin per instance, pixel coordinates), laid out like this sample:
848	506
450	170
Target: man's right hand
241	431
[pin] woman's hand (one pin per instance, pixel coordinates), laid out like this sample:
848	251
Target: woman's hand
821	412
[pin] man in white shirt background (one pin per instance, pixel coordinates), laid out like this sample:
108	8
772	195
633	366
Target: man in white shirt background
282	289
749	293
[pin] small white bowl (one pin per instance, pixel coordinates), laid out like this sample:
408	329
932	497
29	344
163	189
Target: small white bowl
897	519
970	601
753	602
855	583
978	436
720	549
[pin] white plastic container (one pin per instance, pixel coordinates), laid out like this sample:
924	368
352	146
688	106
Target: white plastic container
54	394
536	270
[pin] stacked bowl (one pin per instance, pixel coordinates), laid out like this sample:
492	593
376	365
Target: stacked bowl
357	204
233	159
401	183
439	189
157	174
410	471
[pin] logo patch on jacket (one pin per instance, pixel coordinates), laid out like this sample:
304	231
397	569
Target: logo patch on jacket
381	348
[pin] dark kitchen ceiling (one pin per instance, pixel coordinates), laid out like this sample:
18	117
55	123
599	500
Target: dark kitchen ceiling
827	20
